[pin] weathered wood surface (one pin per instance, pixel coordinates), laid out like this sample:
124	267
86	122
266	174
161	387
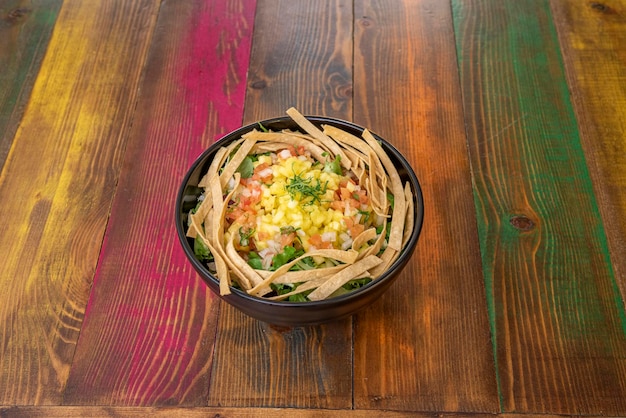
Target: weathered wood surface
440	343
56	189
557	315
512	114
148	338
25	30
301	57
592	38
203	412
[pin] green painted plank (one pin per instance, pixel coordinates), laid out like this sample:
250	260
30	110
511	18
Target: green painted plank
25	29
557	316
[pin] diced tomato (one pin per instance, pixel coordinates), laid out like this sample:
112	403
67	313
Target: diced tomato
354	228
287	239
233	213
316	241
361	196
338	205
262	174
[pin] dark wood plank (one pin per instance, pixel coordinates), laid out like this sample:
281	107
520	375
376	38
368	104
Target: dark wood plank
301	57
592	39
557	314
426	345
149	332
198	412
56	188
25	29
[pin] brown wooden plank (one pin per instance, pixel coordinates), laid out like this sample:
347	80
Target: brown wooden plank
180	412
25	29
56	188
559	321
301	57
149	332
592	38
432	327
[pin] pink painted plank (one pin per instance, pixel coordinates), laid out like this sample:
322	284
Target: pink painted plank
150	323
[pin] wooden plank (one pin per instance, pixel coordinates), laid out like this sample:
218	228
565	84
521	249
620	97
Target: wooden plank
558	318
592	37
304	60
25	30
149	331
434	317
56	188
182	412
301	57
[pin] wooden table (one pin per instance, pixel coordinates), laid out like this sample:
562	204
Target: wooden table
513	114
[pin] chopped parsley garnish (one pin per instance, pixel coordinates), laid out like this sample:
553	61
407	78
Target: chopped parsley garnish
305	190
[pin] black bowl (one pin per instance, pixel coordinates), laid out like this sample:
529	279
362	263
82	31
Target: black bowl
285	313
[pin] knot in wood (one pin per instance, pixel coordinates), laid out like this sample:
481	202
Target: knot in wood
365	22
259	84
521	222
601	7
16	14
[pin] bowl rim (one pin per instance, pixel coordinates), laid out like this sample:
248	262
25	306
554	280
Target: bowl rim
316	120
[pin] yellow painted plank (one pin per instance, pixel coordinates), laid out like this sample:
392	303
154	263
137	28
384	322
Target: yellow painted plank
592	38
57	185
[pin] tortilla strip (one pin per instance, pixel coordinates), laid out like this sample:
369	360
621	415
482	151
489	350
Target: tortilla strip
250	275
218	160
222	271
217	228
374	249
262	147
235	161
363	238
409	223
301	276
377	189
353	157
344	276
312	284
399	206
201	212
306	137
312	130
296	141
387	257
347	257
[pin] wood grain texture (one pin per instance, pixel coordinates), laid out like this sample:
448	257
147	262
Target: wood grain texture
557	315
216	412
426	345
301	57
25	29
57	186
592	37
150	327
